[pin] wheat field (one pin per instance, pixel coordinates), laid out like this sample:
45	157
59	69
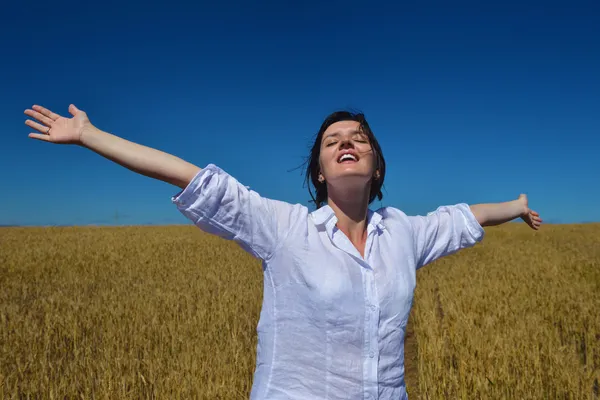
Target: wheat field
171	313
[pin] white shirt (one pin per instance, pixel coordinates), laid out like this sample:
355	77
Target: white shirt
332	323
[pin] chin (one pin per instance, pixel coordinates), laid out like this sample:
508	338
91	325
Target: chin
353	170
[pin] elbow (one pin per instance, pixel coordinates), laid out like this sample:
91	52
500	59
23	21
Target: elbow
479	214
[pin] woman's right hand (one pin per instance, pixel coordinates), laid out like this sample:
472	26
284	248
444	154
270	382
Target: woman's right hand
55	128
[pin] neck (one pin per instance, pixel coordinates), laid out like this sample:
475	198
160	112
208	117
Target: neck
351	209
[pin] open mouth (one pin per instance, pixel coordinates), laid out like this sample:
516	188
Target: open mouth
347	158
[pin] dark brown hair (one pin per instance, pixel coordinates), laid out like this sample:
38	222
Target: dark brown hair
319	197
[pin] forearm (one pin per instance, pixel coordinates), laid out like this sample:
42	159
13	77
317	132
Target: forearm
498	213
138	158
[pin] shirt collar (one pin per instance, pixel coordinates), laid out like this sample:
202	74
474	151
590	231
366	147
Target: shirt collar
325	216
322	215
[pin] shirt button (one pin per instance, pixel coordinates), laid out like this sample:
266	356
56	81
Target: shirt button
372	307
369	396
371	354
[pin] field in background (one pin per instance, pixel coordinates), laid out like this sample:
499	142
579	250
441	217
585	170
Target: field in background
170	312
516	317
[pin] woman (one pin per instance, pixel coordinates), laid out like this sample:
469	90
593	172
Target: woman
338	281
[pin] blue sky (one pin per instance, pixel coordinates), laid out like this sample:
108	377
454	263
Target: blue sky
470	102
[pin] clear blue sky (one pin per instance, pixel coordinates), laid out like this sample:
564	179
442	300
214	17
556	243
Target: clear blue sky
471	102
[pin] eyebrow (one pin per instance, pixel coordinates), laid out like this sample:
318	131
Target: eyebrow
354	132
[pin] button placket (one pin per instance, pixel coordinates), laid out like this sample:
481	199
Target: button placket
373	311
371	325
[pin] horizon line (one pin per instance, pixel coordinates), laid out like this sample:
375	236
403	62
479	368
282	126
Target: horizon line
191	224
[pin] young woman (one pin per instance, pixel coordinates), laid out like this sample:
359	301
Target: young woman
338	281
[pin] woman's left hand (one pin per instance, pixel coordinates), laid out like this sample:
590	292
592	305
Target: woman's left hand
532	218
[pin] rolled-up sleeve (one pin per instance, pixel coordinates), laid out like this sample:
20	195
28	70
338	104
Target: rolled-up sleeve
444	231
218	204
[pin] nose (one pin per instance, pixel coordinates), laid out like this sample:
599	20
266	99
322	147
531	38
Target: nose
346	144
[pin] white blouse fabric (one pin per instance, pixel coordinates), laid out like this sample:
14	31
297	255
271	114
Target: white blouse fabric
332	323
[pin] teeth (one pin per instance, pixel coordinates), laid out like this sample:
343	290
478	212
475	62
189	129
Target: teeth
347	157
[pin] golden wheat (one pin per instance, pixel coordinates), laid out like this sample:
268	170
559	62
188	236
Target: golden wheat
126	313
517	317
170	312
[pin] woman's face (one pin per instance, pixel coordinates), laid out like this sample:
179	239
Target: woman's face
346	157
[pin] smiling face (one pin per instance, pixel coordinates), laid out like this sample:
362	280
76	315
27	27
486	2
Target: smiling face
346	156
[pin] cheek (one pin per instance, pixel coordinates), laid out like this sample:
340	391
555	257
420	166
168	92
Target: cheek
367	154
325	158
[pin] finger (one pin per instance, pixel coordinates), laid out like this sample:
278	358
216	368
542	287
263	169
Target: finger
39	136
534	224
46	112
534	213
39	116
73	110
36	126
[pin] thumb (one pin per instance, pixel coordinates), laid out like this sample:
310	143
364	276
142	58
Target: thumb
523	198
73	110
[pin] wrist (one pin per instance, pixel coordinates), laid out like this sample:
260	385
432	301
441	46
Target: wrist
87	132
521	205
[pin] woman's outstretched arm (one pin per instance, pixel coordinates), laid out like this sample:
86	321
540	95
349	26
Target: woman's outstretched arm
452	228
499	213
138	158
